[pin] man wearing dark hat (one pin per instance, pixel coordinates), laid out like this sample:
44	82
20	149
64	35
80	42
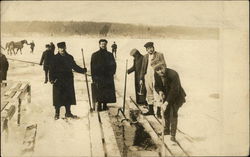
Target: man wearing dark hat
32	46
114	48
172	95
46	60
61	76
147	74
140	90
103	68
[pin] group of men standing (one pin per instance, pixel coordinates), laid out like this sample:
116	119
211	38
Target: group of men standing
157	85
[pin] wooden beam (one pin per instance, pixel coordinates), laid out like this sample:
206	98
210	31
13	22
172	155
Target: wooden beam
110	141
96	138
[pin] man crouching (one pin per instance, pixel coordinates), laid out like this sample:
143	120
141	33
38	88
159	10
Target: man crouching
168	86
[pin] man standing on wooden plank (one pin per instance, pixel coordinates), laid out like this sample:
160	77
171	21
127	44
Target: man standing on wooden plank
103	68
140	90
147	74
168	86
61	76
4	66
46	60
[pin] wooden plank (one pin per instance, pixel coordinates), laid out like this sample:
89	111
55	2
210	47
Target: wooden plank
95	134
155	124
23	86
29	139
110	141
173	146
7	93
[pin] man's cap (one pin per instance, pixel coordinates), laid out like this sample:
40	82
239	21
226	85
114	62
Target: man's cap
133	52
47	46
103	40
149	44
159	64
61	45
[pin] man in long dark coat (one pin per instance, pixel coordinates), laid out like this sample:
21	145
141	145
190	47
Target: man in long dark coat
138	57
114	49
52	47
4	66
168	86
32	46
46	60
61	76
103	68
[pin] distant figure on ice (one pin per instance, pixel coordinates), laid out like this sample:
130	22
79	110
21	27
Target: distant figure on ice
46	60
168	86
114	48
4	66
61	76
140	90
52	47
32	46
147	74
103	68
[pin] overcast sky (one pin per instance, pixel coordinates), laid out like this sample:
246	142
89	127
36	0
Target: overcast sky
191	13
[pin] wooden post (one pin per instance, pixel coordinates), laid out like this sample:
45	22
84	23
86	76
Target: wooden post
19	111
29	93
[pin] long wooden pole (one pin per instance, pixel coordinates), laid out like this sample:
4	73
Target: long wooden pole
125	88
86	80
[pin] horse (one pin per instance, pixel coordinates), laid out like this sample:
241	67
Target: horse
9	47
19	45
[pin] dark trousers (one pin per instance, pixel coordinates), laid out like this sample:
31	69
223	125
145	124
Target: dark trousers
67	108
46	70
114	52
171	118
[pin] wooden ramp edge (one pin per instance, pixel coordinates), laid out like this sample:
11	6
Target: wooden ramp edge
96	137
109	136
175	149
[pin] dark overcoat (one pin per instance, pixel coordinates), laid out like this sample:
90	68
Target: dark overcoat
46	59
140	99
62	76
170	85
103	68
4	66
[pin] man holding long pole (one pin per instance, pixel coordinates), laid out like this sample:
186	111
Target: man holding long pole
61	76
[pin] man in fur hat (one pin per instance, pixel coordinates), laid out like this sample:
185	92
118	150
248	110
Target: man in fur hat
61	76
172	95
147	74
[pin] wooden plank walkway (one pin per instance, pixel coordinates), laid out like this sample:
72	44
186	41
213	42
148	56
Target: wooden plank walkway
109	136
174	148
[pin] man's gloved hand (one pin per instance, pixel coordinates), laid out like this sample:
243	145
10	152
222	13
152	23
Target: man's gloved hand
85	70
162	96
164	105
53	82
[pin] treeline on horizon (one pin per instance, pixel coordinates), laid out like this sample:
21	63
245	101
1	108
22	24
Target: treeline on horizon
104	29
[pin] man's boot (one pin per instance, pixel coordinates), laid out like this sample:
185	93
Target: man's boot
150	110
167	127
99	106
173	129
68	113
158	112
105	107
57	113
